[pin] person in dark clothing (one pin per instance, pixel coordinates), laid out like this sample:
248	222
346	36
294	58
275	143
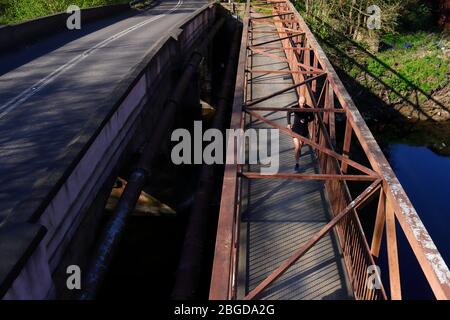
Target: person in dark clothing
300	126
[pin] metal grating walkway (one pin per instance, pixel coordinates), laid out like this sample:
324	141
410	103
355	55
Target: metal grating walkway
280	215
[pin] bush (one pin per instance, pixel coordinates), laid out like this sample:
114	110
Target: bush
422	66
418	15
15	11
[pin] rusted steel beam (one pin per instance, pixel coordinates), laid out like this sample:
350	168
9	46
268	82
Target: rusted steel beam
328	138
392	250
191	265
256	6
222	264
268	3
260	23
271	16
310	243
323	92
284	72
236	235
347	143
275	40
433	265
283	48
259	100
379	225
268	54
304	110
269	32
307	66
287	19
289	29
315	65
301	176
332	123
314	144
272	55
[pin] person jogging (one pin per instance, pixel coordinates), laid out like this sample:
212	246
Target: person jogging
300	126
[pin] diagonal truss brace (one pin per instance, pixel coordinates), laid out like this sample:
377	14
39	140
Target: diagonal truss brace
259	100
314	144
278	39
310	243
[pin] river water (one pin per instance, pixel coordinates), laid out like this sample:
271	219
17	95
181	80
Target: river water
420	157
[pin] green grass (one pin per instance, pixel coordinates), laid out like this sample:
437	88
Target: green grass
413	58
16	11
424	64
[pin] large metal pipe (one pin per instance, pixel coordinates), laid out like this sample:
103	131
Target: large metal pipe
191	264
111	234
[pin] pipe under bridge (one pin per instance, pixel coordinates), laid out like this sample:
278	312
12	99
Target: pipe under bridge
299	235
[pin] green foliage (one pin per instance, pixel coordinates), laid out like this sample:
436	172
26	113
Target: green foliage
419	39
15	11
418	15
424	65
413	60
414	63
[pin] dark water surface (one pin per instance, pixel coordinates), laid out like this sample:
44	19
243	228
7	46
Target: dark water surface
420	157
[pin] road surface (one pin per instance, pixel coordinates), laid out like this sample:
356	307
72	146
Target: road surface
49	90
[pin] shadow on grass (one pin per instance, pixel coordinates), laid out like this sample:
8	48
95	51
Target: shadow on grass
339	37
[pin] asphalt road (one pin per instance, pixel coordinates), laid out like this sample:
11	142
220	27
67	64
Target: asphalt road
49	90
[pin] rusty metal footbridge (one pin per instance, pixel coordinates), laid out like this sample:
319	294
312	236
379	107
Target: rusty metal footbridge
87	119
299	235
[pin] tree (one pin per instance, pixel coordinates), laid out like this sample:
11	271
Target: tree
351	16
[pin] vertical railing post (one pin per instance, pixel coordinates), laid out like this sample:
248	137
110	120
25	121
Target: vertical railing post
305	61
314	83
379	224
392	249
223	275
326	102
347	144
331	115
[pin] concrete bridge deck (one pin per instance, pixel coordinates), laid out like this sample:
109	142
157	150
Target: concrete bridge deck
53	93
73	107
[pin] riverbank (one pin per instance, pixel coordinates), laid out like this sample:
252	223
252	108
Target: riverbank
422	164
429	134
406	75
408	78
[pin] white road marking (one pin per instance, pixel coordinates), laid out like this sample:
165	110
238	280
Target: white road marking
38	86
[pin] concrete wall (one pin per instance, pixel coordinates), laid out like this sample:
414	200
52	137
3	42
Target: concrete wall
137	101
12	36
